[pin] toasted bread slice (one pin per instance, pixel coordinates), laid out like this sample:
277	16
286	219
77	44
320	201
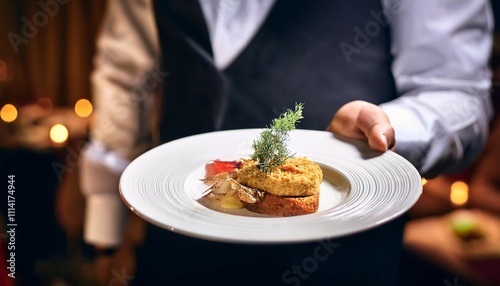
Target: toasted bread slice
284	206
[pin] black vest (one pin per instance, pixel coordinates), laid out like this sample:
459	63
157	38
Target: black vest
321	53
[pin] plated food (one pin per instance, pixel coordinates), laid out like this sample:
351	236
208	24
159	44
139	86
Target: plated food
272	181
360	190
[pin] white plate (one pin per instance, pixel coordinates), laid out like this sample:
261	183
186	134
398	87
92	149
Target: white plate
361	189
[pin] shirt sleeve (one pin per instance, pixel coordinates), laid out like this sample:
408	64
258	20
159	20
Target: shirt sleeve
441	52
126	75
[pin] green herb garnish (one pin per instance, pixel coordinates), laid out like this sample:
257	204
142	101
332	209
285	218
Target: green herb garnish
270	149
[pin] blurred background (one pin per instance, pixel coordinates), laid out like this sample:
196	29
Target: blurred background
46	50
45	109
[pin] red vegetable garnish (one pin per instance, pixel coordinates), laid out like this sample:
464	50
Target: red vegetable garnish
291	169
217	166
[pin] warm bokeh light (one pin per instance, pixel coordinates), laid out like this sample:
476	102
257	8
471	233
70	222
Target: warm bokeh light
8	113
424	181
459	193
59	133
83	108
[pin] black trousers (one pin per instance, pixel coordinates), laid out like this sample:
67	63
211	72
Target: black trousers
367	258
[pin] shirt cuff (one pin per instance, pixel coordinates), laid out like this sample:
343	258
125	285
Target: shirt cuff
105	220
438	131
105	213
97	153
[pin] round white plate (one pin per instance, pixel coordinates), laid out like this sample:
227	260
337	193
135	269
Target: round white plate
361	188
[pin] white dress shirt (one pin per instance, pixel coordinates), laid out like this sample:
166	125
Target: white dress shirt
440	49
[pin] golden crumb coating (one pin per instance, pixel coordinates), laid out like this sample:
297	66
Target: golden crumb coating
298	177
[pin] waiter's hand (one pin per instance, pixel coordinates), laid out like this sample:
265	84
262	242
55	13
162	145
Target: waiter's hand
364	120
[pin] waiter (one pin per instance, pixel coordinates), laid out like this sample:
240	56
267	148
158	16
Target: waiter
364	69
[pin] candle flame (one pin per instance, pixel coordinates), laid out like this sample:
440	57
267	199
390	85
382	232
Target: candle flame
8	113
83	108
424	181
59	133
459	193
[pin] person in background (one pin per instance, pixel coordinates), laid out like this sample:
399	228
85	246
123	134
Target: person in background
411	76
485	178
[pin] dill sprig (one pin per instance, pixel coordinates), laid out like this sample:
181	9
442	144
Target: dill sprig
270	149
